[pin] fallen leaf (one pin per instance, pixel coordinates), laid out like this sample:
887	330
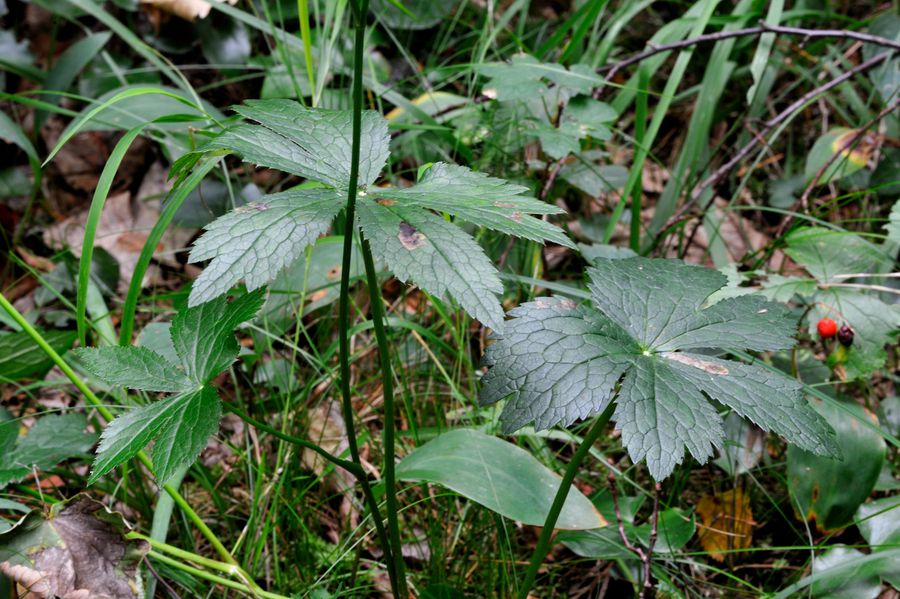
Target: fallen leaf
186	9
727	523
76	551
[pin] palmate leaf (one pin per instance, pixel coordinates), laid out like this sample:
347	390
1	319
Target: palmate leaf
257	241
204	343
557	362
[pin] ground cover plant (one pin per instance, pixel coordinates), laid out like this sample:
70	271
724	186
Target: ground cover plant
458	299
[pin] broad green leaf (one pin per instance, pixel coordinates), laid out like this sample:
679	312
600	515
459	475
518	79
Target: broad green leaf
558	142
52	439
861	582
311	143
825	253
20	356
778	288
418	14
885	76
77	549
831	490
204	335
500	476
879	521
522	77
482	200
557	362
675	528
591	116
591	178
181	425
256	241
435	255
135	368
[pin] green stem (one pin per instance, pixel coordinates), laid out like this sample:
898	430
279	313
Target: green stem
387	384
109	417
543	544
359	12
198	573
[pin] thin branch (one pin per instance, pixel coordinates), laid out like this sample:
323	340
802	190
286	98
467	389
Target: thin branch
762	28
846	146
647	589
780	118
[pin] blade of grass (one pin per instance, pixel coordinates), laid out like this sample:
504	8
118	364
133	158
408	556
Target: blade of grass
179	194
674	78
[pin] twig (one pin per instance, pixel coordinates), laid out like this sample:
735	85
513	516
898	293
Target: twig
845	146
645	556
763	27
780	118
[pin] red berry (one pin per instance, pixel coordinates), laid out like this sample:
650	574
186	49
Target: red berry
827	328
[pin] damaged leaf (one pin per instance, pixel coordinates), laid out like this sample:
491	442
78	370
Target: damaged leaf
77	550
256	242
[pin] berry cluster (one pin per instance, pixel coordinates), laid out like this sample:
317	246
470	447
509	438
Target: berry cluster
828	328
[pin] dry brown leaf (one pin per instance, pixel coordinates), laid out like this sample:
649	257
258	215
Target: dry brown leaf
122	231
727	522
77	551
186	9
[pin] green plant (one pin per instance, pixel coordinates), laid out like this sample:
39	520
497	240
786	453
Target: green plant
639	353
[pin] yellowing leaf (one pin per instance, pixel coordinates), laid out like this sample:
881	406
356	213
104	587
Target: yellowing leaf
727	522
857	151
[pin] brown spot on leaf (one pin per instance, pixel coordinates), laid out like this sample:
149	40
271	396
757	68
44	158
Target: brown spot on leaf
516	216
333	273
385	202
710	367
315	296
252	207
410	237
504	205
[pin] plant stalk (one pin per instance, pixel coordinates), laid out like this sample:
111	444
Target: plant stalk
544	542
387	384
360	11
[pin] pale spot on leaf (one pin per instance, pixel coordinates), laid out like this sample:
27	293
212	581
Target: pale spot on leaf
710	367
410	237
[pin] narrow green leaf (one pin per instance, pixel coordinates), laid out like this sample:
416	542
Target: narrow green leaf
135	368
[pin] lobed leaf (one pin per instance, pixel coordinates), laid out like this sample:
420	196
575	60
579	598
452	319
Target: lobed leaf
257	241
134	367
311	143
436	255
181	423
557	362
481	200
204	335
